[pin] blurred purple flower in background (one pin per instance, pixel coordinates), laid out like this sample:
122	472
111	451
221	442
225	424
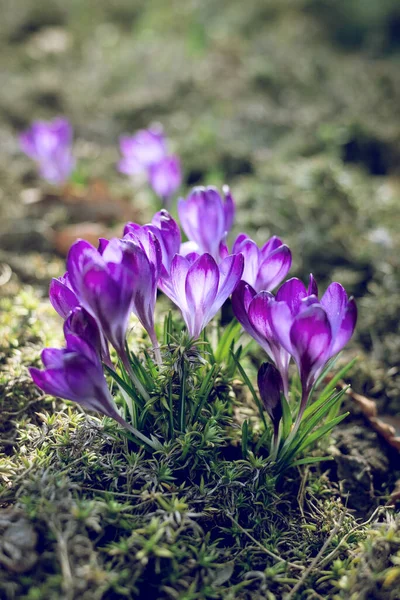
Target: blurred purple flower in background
206	219
146	152
199	286
49	144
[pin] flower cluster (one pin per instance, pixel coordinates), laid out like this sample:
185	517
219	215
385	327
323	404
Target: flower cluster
49	144
104	285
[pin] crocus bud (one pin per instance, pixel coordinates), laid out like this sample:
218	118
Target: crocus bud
206	219
270	385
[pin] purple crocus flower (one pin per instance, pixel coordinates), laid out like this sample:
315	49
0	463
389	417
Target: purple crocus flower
199	286
301	326
112	284
266	267
146	152
206	219
165	177
49	144
167	232
253	311
142	150
75	373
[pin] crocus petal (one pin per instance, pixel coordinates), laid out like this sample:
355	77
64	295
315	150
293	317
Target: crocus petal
312	286
335	302
241	298
201	289
229	208
230	273
272	244
62	298
346	328
292	292
311	337
274	269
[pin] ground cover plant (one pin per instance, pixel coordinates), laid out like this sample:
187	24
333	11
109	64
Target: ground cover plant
220	468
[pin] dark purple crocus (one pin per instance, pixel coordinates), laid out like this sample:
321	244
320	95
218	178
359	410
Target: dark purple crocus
264	268
167	232
206	220
312	331
112	284
76	373
270	386
61	295
49	144
199	286
146	152
80	323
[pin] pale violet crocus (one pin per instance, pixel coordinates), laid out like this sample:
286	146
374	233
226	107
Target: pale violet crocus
146	152
49	144
199	286
264	268
206	219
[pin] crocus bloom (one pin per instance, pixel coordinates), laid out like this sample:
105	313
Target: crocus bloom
142	150
206	219
146	152
165	177
49	144
75	373
309	330
199	286
112	284
167	232
270	386
266	267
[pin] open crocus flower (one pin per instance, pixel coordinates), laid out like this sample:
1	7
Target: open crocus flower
76	373
206	219
266	267
165	229
199	286
49	144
